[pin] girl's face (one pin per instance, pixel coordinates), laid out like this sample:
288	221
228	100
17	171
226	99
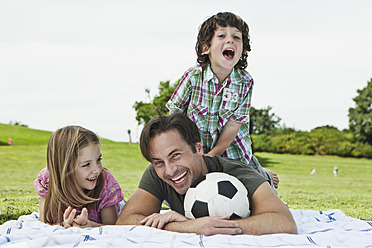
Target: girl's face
89	166
225	49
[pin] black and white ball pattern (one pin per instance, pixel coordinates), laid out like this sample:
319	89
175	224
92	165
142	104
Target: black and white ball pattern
219	194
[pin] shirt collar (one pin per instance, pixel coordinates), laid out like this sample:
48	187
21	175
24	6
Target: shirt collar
208	74
234	76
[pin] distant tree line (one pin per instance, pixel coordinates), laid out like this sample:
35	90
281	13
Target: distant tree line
17	123
325	140
269	136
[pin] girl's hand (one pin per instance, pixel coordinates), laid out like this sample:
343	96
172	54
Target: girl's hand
68	217
82	219
160	220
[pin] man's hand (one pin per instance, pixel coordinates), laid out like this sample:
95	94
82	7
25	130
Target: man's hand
159	220
206	226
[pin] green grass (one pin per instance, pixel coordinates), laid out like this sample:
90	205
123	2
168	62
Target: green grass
350	191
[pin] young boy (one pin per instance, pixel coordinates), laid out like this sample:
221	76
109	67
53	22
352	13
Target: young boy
216	93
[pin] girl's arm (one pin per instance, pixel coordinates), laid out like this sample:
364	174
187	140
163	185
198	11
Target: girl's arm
41	208
228	134
108	214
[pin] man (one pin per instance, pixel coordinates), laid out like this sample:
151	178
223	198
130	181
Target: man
172	145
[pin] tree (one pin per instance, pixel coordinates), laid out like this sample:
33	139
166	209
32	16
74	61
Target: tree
146	111
360	117
261	120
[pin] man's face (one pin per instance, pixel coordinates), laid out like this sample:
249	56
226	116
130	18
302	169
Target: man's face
174	161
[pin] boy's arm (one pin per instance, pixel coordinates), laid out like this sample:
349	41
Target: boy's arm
228	134
140	205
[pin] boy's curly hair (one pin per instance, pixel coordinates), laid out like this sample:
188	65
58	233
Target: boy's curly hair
206	32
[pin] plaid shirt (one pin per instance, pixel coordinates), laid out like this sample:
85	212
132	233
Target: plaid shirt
210	107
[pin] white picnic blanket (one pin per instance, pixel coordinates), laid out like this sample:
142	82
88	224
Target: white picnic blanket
316	229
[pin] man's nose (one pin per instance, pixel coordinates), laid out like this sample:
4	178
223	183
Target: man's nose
170	169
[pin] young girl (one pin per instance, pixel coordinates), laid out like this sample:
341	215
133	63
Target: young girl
216	93
75	189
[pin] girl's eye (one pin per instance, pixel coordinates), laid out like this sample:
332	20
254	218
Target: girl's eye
85	165
99	160
237	37
221	36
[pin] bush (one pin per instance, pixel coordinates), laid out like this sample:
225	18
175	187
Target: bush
326	140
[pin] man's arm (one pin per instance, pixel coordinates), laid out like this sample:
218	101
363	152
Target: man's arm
205	226
143	204
269	214
140	205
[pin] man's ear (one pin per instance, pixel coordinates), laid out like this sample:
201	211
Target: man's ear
199	148
205	49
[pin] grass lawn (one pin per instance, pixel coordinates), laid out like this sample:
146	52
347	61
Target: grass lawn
350	191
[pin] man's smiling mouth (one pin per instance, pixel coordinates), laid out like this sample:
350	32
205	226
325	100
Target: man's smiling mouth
180	178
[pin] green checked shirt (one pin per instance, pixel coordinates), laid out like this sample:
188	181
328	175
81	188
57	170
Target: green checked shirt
210	107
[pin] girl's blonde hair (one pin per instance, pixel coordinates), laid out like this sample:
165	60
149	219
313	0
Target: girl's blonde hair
62	160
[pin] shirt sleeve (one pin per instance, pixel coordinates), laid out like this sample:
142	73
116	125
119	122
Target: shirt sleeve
180	99
152	183
41	183
111	193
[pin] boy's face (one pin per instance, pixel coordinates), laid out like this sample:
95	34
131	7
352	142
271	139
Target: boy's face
225	49
175	162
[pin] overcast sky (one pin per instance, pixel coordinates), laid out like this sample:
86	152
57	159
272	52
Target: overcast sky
86	62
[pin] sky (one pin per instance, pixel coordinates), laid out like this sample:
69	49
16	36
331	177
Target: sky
86	62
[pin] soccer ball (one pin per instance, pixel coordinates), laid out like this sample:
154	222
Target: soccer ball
219	194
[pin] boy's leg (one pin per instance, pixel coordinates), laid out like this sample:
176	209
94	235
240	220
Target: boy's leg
266	173
274	177
256	165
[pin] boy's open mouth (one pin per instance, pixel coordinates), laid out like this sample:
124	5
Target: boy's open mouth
228	53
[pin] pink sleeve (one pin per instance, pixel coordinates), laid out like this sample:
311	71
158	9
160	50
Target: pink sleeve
111	193
41	183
